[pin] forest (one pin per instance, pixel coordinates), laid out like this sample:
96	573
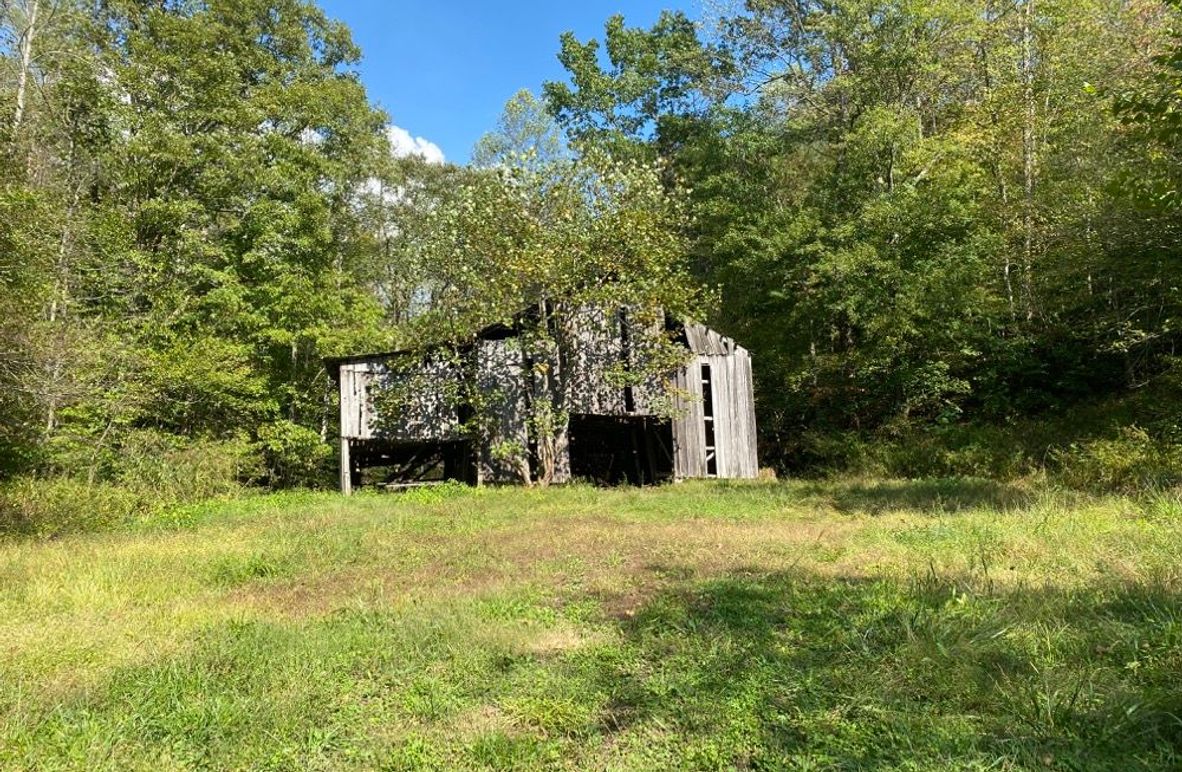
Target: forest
948	231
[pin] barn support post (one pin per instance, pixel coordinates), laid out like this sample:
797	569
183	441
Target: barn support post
346	468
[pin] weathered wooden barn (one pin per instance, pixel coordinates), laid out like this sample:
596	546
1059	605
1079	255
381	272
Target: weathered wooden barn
616	433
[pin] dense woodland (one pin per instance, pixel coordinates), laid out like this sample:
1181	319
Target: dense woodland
948	231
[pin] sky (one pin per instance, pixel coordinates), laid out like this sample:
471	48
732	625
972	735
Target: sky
443	69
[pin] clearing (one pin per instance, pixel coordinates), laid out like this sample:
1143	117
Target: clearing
846	624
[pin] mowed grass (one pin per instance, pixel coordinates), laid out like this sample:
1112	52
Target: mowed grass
840	625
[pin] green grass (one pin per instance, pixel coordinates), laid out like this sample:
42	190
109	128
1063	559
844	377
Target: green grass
842	625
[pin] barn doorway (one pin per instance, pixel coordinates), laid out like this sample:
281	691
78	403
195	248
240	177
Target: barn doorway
397	464
612	450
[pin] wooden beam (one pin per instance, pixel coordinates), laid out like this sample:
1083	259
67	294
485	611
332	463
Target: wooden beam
346	468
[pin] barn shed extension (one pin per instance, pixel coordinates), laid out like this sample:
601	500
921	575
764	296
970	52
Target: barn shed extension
615	433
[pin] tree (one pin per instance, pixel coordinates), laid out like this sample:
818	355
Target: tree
1154	107
197	170
49	145
525	134
913	210
555	242
655	83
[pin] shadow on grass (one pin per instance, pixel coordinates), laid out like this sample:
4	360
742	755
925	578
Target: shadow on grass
930	496
757	670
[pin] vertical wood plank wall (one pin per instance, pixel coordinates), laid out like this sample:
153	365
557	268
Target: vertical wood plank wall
734	415
429	416
745	414
348	411
353	400
598	347
689	428
734	418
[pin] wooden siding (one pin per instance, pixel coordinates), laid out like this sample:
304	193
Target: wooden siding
705	341
428	417
354	395
689	429
733	417
597	348
748	467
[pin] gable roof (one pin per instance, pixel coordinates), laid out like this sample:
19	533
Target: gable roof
703	340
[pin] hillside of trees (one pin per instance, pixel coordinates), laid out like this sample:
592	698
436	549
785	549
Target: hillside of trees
948	231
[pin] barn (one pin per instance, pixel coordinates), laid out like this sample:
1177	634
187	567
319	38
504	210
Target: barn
401	422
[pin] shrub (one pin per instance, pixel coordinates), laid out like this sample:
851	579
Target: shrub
294	456
950	451
174	470
50	507
1131	462
153	472
961	450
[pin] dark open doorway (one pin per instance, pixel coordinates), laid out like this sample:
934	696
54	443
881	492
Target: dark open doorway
385	463
610	450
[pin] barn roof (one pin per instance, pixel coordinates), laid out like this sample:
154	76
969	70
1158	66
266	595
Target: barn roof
491	332
703	340
699	338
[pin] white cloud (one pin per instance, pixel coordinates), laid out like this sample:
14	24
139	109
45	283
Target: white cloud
402	144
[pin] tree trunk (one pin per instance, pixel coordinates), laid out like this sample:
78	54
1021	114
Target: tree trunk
995	164
1029	157
59	303
551	422
295	378
26	62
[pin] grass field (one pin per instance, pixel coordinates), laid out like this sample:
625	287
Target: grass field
842	625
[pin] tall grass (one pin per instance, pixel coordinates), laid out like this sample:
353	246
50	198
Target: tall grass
847	624
154	474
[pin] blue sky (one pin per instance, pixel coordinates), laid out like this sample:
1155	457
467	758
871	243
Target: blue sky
443	69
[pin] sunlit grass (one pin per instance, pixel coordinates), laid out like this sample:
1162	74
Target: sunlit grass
850	624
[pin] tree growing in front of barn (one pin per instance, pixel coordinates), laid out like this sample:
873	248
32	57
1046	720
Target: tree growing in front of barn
556	251
525	135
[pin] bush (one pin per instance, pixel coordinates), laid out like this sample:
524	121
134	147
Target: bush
169	469
55	506
1120	459
153	473
950	451
1132	462
294	456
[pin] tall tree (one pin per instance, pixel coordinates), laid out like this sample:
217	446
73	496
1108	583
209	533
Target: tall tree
201	165
652	87
555	241
525	134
